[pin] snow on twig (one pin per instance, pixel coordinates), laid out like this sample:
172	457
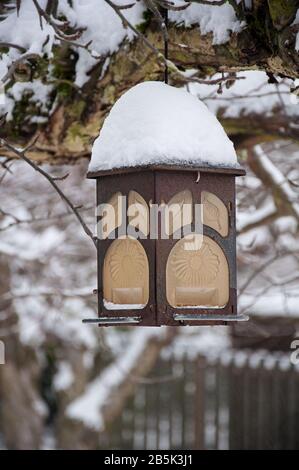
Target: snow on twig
22	154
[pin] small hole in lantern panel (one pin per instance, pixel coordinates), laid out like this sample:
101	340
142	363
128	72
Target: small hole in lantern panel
125	275
197	274
214	213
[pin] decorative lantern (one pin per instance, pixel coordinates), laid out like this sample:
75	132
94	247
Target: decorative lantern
165	173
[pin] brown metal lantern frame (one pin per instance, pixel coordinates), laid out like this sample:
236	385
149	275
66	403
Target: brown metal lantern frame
156	183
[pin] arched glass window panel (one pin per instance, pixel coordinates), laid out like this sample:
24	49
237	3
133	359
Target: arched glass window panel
215	213
197	274
125	275
138	212
179	212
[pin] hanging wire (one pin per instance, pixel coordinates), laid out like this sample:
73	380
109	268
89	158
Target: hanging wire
166	45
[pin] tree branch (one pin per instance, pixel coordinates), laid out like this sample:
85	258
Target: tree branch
284	197
21	154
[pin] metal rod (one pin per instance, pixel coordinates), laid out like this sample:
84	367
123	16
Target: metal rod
199	317
112	320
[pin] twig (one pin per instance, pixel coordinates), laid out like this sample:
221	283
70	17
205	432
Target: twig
16	63
126	23
21	154
14	46
171	6
33	220
208	2
166	62
43	14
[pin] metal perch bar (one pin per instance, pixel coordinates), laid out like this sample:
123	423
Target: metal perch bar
112	320
199	317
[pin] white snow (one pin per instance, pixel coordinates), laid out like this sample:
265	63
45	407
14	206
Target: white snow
24	30
296	22
103	27
257	215
273	305
248	96
64	377
218	20
36	91
157	123
278	178
194	341
112	306
89	407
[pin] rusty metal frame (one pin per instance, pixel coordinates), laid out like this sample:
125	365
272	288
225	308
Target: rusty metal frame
223	186
156	183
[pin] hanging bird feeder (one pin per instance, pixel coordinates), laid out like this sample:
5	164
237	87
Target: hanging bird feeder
165	173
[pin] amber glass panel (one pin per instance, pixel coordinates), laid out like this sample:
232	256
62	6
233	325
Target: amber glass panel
138	212
197	274
126	275
215	213
112	215
180	211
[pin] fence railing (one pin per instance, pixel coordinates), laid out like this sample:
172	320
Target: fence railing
235	400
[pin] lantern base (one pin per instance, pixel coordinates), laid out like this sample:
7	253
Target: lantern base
212	317
112	320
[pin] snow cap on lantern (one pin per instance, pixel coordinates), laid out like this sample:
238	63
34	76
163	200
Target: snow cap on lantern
160	149
154	123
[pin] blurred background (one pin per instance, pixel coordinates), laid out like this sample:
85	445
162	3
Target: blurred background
204	387
65	385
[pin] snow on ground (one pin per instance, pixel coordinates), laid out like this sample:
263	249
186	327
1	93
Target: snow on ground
157	123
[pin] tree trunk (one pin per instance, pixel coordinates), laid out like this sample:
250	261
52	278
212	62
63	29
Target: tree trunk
266	43
20	412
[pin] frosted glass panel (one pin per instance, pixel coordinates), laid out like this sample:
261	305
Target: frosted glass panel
214	213
138	212
126	275
112	215
179	211
197	275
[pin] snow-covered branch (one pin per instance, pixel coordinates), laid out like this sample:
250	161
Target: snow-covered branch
106	396
22	154
284	196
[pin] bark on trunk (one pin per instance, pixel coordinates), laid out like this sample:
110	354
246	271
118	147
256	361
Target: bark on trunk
266	43
20	417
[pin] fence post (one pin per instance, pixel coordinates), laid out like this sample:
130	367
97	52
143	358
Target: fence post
200	403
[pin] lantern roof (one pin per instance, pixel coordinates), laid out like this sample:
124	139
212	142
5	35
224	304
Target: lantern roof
154	125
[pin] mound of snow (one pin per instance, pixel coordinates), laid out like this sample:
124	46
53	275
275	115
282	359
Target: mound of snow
155	123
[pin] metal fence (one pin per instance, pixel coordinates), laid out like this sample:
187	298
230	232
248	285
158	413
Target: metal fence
236	400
